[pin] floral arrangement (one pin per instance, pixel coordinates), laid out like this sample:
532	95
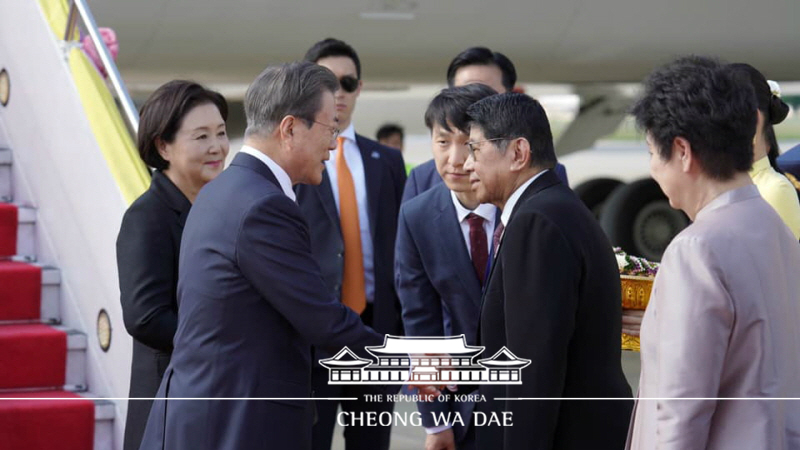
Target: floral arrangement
634	265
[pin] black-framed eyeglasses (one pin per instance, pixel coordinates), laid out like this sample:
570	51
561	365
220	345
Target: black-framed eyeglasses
348	83
332	128
473	145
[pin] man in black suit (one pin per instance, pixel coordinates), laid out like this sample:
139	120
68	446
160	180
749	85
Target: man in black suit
352	218
553	294
251	298
473	65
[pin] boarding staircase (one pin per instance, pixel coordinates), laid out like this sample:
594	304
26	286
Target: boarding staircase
45	399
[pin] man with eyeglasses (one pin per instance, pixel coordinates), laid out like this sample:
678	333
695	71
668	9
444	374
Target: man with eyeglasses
553	293
352	219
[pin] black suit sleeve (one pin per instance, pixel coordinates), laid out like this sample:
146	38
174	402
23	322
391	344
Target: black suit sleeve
147	277
541	274
273	252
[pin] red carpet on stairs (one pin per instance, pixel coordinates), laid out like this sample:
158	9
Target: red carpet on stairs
46	424
32	355
8	230
20	291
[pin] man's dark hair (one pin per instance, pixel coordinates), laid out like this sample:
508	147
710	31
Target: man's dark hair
162	114
389	129
333	47
709	104
449	107
510	116
482	56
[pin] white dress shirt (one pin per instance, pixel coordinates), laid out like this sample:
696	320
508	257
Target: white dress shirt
352	155
487	211
280	174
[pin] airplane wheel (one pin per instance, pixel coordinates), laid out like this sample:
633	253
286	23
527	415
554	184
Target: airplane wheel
594	193
638	218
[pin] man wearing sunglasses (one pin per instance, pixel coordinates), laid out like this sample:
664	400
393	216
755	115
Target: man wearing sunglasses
352	219
473	65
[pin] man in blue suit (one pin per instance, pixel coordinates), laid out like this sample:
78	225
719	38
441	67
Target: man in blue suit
444	243
473	65
251	298
352	220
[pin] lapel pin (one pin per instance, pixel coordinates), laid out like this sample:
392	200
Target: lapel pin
376	155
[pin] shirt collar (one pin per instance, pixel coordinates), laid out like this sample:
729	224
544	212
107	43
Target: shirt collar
280	174
760	166
512	201
349	133
485	210
726	198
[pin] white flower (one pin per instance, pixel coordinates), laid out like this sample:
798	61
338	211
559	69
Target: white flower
775	88
622	261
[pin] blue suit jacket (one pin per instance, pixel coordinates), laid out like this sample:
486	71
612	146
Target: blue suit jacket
251	302
436	281
425	176
385	175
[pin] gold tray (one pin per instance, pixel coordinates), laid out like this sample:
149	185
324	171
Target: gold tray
635	295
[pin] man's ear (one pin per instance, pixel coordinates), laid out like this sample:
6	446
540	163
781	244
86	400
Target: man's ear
682	149
521	158
287	128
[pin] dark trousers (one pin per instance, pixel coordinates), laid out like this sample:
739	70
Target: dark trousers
358	437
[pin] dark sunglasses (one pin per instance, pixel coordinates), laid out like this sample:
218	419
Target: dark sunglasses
349	84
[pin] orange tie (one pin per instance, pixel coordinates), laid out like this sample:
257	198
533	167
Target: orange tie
353	290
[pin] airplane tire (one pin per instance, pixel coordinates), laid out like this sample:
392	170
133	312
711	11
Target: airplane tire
638	218
594	193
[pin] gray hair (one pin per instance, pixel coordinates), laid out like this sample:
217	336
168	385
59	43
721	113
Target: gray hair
286	89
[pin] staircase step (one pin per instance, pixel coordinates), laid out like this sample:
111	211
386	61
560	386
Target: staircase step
75	374
104	414
9	225
5	175
44	420
21	291
32	355
50	298
51	295
26	233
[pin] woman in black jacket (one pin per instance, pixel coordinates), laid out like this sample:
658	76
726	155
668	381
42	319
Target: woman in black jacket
182	136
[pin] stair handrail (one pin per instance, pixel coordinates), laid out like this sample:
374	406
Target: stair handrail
80	8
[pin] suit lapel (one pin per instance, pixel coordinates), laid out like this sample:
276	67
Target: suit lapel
325	193
452	240
544	181
373	173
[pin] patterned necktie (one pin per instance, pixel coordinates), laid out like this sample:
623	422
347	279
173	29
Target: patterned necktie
478	247
498	234
353	289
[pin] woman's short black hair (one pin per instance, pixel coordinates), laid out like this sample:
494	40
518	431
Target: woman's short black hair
162	114
707	103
